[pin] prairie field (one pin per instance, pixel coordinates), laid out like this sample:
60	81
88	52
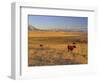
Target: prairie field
50	48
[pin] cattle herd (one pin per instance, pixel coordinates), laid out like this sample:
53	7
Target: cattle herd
70	47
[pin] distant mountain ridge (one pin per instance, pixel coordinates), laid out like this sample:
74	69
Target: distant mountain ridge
33	28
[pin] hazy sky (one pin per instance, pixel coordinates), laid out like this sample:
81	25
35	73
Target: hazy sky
58	22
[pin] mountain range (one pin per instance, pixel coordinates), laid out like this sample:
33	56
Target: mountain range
33	28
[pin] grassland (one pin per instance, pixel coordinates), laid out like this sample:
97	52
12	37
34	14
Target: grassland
54	48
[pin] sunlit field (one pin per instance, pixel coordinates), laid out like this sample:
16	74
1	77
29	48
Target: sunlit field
51	48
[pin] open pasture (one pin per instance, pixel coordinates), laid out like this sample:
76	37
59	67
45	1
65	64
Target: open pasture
50	48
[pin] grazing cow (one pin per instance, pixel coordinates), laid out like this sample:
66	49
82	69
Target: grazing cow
74	43
71	47
41	45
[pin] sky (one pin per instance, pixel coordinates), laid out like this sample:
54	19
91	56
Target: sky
58	22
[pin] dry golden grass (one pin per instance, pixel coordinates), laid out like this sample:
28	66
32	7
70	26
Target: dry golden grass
54	48
52	34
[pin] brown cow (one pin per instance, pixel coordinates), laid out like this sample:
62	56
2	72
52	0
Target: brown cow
71	47
41	45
